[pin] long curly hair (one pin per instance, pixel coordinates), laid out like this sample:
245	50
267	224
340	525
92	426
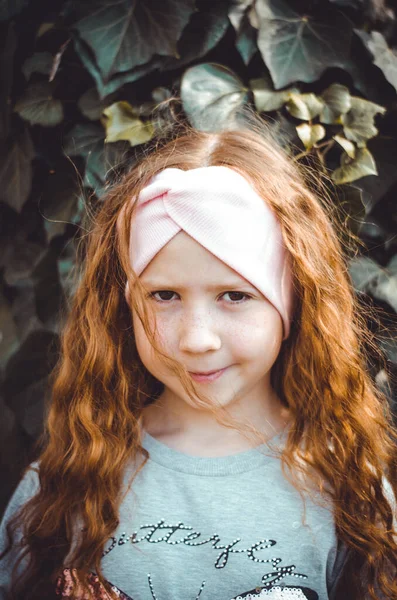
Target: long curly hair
342	434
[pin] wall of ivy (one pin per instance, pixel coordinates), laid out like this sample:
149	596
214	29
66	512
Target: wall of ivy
79	83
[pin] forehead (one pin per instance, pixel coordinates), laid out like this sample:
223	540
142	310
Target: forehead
185	260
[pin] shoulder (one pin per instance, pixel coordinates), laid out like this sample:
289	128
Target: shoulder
388	491
26	489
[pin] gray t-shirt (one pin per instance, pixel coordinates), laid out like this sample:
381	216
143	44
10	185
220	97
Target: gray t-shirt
216	528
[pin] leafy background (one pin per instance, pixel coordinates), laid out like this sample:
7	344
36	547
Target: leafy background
79	82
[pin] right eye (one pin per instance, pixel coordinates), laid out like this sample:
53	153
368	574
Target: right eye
152	295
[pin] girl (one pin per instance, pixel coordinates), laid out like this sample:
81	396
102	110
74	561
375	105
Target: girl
212	431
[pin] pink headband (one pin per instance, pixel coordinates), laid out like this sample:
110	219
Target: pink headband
219	209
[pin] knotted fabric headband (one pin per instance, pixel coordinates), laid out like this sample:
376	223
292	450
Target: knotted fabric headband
219	209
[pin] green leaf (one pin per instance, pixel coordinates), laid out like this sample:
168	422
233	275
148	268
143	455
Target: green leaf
122	123
237	11
304	106
361	166
384	57
91	105
296	47
284	132
58	198
245	33
16	170
347	145
337	102
66	262
22	261
6	78
205	29
107	86
10	8
265	98
82	138
123	35
384	150
363	270
358	123
38	106
88	141
43	28
246	41
384	287
383	284
351	208
39	62
212	96
310	134
8	340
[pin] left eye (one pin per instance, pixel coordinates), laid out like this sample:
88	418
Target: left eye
245	296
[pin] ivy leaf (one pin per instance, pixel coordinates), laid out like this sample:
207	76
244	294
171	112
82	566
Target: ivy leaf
296	47
347	145
100	158
122	123
357	4
16	170
58	198
39	62
245	33
123	35
337	102
43	28
351	208
358	123
237	12
284	132
212	96
384	149
304	106
246	41
384	287
22	261
91	105
384	57
6	78
66	262
8	339
82	138
363	270
310	134
35	358
107	86
38	106
10	8
265	98
362	165
205	29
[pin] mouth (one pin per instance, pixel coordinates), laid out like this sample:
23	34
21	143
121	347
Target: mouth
208	376
205	372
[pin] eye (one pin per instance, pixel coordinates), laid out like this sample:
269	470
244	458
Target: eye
169	293
152	295
246	297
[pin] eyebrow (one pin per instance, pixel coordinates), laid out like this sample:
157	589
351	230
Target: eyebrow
217	286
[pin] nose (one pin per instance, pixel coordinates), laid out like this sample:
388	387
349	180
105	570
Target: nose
198	334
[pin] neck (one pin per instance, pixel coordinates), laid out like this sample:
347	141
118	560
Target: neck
173	421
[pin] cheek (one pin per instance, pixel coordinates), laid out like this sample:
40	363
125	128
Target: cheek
259	337
143	344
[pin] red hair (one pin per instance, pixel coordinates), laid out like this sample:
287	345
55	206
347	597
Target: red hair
342	435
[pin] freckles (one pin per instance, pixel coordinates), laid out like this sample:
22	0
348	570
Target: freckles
164	332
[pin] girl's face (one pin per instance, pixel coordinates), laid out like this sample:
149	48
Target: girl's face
209	318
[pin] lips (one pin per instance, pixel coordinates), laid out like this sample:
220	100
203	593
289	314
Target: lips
205	372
